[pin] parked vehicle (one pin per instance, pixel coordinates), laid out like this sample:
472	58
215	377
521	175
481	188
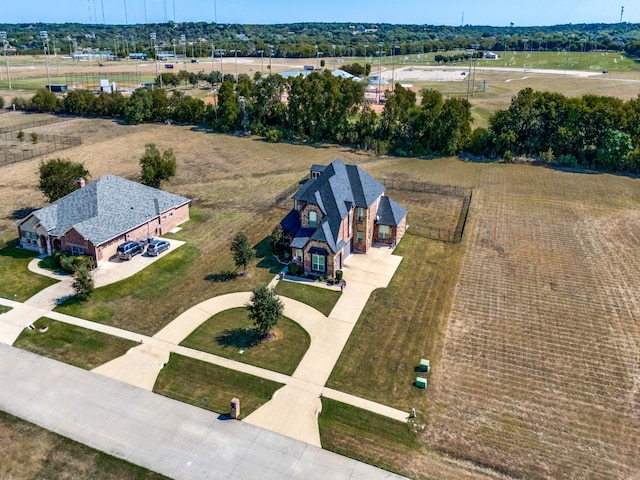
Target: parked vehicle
128	249
156	247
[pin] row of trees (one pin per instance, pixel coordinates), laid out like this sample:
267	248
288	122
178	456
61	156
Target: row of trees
593	131
304	40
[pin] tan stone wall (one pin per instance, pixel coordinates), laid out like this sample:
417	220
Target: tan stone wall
304	214
329	259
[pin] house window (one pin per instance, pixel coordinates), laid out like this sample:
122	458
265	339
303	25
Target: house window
299	256
359	237
313	220
296	205
77	250
360	214
383	232
317	262
351	223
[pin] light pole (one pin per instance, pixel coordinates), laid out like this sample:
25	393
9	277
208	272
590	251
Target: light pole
213	52
379	69
221	50
3	37
261	52
334	56
505	49
393	67
152	36
270	57
365	60
45	41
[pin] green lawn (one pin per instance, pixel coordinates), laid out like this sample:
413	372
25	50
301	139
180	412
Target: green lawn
71	344
28	451
230	332
319	298
212	387
596	61
400	325
17	282
365	436
150	286
4	309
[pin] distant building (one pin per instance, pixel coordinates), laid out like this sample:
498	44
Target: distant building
491	55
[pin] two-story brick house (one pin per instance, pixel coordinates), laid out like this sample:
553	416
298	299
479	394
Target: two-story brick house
341	209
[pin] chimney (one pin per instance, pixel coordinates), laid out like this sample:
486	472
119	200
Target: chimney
81	183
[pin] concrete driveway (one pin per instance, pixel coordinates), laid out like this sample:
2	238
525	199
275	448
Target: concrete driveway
110	272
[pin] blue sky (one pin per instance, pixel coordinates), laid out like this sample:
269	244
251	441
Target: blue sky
476	12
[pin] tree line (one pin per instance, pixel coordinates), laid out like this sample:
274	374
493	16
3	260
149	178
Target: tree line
305	40
592	131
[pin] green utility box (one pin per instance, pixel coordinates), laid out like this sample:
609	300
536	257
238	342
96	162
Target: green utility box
425	365
421	382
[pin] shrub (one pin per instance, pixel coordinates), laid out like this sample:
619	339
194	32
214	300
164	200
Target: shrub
273	135
566	161
21	103
548	156
34	137
293	268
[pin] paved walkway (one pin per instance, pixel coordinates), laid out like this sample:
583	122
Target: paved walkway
294	408
170	437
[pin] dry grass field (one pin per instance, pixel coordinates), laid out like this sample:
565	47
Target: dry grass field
536	341
540	372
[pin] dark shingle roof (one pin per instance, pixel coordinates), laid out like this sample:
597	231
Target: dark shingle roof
390	212
335	191
106	208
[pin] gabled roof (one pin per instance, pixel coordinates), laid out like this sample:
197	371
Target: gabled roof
390	212
106	208
338	188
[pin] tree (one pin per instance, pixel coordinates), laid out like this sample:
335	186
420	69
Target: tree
59	177
265	309
242	251
83	282
45	101
157	167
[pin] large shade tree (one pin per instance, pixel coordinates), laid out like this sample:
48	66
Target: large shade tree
59	177
265	309
157	166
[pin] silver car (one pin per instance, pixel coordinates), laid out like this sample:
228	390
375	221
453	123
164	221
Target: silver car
156	247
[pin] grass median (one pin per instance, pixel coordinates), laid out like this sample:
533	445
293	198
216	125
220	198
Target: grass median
322	299
72	344
212	387
231	334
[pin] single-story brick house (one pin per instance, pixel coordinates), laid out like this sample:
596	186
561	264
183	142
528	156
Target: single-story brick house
340	209
94	219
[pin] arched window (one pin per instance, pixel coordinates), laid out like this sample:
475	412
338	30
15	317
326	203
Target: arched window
313	219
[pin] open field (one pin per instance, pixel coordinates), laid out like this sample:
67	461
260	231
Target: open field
531	322
495	81
28	451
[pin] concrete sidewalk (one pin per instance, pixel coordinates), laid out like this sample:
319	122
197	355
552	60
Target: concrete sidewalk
166	436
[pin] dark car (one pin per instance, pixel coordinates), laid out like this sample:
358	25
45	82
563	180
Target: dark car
128	249
156	247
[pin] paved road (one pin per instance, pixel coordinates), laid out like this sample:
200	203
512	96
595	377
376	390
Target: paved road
169	437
